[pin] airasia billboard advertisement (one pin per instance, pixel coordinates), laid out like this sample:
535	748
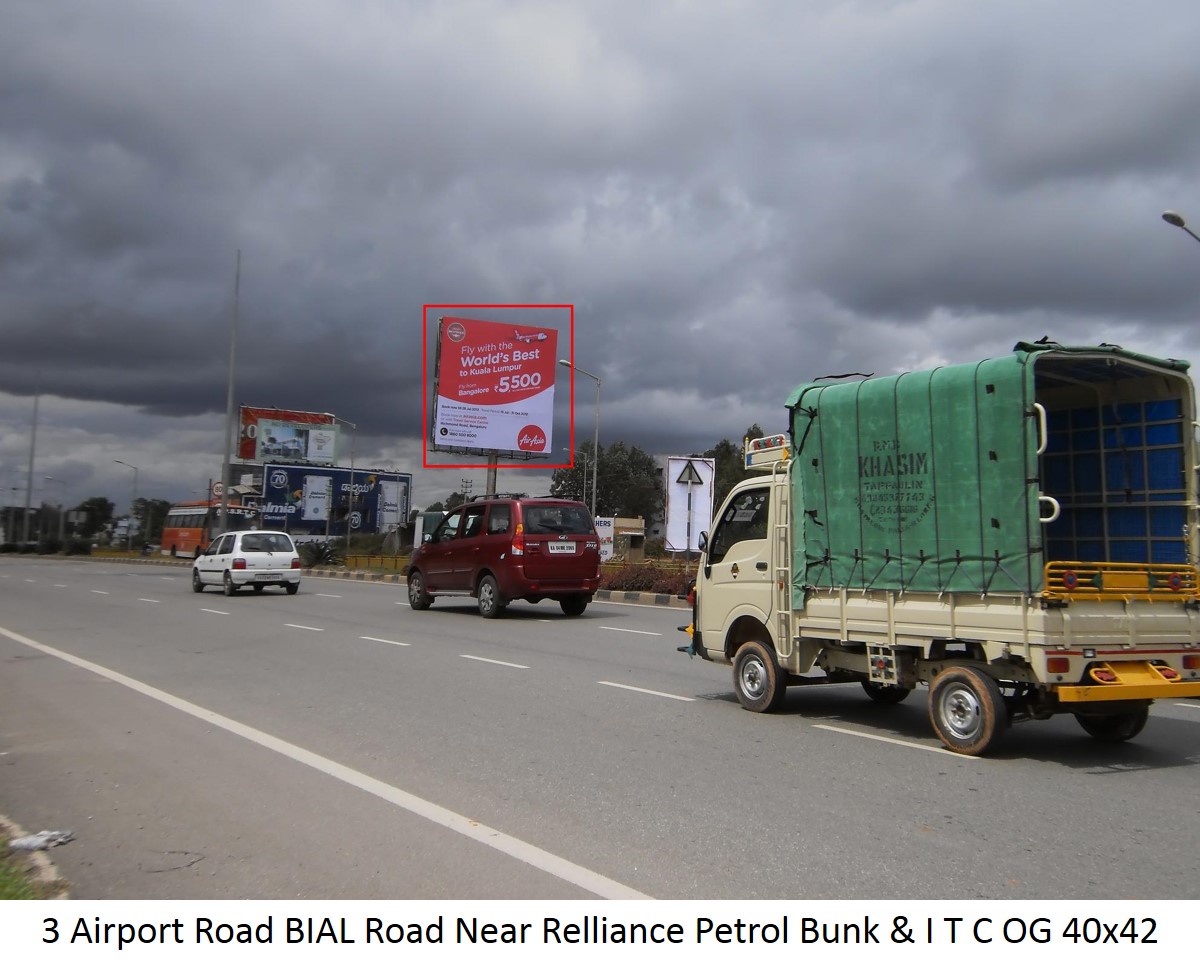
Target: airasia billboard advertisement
495	386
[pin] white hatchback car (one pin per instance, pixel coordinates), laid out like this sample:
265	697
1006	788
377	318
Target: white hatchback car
254	558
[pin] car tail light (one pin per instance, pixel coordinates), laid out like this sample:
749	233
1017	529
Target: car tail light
518	541
295	563
239	563
1058	664
1191	662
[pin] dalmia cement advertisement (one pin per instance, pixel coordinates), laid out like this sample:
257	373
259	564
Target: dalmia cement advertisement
313	501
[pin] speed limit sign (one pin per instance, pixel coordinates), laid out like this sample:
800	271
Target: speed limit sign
218	489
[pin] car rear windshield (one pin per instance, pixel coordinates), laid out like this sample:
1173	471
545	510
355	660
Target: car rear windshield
267	543
541	518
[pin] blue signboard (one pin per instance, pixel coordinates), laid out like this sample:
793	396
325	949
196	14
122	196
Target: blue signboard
318	501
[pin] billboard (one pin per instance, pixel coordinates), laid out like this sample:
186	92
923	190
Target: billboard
315	501
494	387
297	437
689	501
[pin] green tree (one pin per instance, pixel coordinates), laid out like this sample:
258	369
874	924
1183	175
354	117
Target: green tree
150	515
575	482
630	483
97	511
729	463
454	499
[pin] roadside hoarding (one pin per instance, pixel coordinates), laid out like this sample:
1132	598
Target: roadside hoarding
312	501
296	437
494	386
606	530
689	502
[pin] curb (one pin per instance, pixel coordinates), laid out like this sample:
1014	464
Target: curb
619	597
379	577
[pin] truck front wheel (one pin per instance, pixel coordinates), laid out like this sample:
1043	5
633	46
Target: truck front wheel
1113	728
757	679
966	709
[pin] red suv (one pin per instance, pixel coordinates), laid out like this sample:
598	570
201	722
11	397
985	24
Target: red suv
501	548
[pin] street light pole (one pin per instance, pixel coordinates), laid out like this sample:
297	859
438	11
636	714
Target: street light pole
1176	220
133	501
596	440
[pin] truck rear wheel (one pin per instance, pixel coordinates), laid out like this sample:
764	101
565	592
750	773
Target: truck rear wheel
1114	728
757	679
966	710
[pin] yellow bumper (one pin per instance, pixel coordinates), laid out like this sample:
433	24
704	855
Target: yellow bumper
1130	681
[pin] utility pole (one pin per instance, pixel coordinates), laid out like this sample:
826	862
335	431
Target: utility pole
227	449
29	473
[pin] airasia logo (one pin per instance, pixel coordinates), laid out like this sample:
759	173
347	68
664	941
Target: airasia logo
456	332
531	439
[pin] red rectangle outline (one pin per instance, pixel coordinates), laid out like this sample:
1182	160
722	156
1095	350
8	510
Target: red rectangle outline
425	463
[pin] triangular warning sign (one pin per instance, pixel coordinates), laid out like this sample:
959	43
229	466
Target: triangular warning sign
689	476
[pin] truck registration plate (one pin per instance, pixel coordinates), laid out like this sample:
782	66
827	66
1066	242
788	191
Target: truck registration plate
558	547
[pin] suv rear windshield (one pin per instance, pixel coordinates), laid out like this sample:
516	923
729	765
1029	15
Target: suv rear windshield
544	518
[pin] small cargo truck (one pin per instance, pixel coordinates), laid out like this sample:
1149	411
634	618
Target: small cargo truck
1017	534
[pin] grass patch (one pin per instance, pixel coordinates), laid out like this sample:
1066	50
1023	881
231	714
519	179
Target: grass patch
19	875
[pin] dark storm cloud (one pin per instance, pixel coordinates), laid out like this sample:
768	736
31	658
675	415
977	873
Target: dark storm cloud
736	198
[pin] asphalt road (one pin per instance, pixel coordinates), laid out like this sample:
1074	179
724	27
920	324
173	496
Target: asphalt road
338	745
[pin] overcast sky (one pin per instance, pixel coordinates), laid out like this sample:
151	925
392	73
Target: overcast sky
736	197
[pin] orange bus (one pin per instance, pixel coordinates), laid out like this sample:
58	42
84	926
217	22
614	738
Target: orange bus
190	527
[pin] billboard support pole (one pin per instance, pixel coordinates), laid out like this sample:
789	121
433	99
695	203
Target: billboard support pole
350	502
493	465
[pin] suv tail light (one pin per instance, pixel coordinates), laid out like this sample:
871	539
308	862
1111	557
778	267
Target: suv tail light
518	541
239	563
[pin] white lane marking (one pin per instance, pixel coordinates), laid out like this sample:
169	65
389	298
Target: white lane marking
213	611
385	641
631	631
495	662
60	585
1188	706
307	628
893	740
531	855
652	692
150	600
94	591
165	578
322	594
30	580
